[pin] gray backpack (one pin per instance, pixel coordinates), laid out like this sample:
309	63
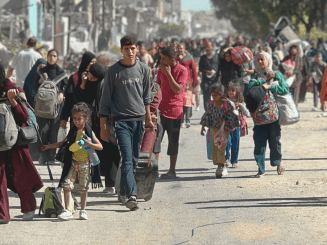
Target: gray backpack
8	127
46	98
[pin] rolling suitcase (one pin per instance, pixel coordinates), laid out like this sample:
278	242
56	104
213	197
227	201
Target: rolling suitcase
145	177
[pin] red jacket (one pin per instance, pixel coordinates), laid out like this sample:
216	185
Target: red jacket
190	65
323	91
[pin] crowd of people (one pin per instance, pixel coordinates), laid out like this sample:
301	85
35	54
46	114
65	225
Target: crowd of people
117	109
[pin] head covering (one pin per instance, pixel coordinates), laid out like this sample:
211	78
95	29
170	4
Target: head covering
86	60
3	79
29	80
98	70
269	67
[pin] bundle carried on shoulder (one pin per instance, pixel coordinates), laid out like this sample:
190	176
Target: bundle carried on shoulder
241	55
46	98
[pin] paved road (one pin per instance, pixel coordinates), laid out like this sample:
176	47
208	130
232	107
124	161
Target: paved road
196	208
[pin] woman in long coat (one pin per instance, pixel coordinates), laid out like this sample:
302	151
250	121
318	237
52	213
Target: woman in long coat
17	171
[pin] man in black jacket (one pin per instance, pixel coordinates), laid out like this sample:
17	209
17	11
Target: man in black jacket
208	66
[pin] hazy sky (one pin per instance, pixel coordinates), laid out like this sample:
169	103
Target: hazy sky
196	5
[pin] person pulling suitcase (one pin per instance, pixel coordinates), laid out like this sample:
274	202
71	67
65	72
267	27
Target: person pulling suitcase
126	99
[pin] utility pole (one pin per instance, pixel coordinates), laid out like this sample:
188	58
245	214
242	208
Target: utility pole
57	27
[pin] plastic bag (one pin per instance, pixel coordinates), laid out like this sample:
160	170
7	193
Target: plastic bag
220	137
62	133
289	81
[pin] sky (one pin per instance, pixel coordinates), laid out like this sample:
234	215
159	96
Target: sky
196	5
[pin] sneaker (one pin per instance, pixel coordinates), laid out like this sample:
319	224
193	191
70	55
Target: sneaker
132	204
42	160
83	215
65	215
315	109
227	162
188	125
197	108
4	222
110	190
29	216
183	125
220	172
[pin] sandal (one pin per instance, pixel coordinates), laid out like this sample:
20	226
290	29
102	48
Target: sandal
280	169
132	204
259	175
168	176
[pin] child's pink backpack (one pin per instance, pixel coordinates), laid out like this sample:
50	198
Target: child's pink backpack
241	55
244	126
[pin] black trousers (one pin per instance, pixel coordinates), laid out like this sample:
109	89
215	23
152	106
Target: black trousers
316	92
187	114
109	162
173	127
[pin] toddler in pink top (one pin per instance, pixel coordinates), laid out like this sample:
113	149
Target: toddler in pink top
187	105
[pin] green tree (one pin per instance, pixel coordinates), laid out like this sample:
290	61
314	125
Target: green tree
254	16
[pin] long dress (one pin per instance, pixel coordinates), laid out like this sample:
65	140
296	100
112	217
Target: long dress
17	171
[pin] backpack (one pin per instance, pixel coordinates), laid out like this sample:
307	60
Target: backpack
241	55
244	125
53	202
8	127
46	98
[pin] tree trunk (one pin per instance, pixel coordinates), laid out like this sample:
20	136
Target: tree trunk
322	10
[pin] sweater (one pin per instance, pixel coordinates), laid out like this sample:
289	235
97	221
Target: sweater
281	88
126	92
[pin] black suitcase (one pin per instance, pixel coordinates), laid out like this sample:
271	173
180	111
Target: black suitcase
146	174
145	177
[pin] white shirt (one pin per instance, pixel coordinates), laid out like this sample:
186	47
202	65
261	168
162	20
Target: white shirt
23	63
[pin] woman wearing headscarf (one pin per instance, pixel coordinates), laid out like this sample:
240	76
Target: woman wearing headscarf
294	55
228	69
29	80
49	128
89	92
266	123
275	59
17	171
73	83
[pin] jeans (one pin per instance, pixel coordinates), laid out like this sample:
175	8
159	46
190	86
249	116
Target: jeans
233	144
129	135
272	133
